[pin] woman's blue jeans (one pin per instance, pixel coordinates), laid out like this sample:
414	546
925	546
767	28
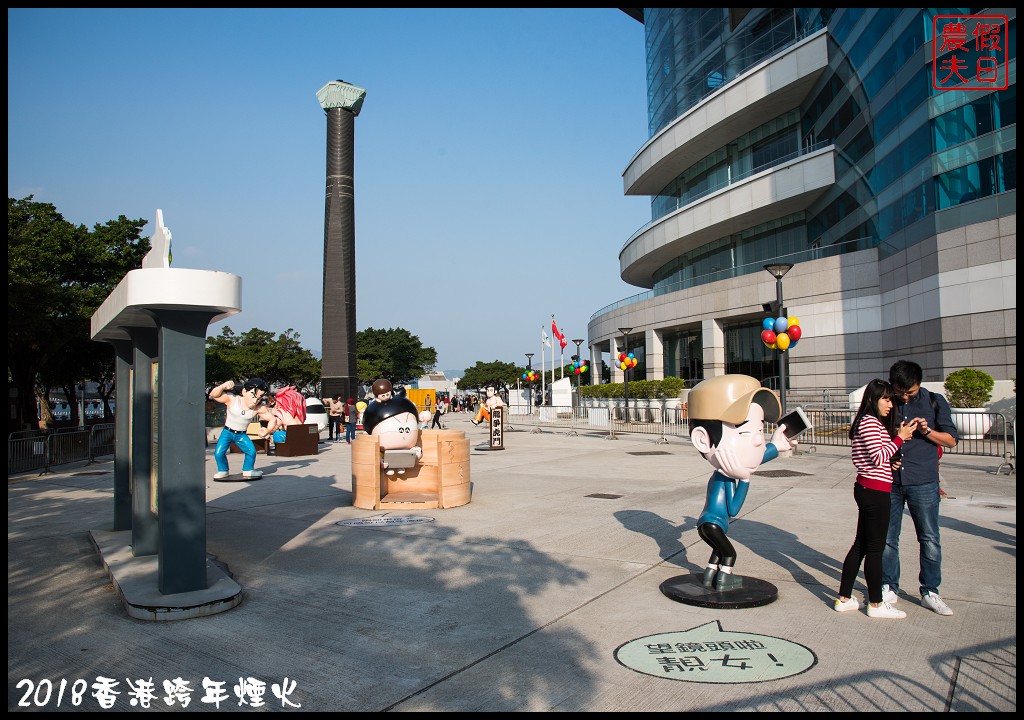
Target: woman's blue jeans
244	443
923	503
350	431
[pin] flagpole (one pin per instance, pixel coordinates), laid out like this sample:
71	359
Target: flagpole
542	391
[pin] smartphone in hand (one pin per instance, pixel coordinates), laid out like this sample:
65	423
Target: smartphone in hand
796	422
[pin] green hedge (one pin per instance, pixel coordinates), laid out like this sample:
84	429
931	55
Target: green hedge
667	388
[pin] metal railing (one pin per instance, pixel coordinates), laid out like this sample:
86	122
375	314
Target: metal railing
29	450
995	437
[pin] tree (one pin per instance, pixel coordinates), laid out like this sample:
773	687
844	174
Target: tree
257	353
497	373
58	274
395	354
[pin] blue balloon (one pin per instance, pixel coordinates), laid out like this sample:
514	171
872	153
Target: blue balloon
768	324
781	325
630	355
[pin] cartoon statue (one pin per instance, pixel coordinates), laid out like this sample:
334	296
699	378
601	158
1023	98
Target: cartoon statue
243	407
395	421
484	413
381	390
727	416
286	407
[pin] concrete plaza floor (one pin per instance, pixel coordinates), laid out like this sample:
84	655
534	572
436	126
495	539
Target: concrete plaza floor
541	594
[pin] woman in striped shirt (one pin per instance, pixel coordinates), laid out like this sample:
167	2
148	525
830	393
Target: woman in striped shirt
876	440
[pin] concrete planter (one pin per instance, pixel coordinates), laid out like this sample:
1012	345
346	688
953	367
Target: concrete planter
972	423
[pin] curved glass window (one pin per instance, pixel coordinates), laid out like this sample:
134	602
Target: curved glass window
992	112
734	255
977	180
773	143
691	52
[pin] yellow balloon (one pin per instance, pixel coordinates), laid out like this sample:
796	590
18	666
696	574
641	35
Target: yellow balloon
773	346
794	321
782	341
360	406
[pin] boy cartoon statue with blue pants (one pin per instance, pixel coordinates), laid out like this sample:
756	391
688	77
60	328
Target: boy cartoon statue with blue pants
244	405
726	418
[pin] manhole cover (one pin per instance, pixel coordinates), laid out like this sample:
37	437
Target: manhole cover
996	507
780	473
604	496
92	472
378	521
649	452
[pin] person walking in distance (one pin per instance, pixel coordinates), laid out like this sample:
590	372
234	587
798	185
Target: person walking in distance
335	417
873	449
916	484
351	416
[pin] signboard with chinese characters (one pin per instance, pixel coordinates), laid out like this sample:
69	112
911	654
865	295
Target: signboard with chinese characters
497	429
709	654
969	52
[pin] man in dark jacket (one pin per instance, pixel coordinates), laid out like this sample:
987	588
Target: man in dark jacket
916	484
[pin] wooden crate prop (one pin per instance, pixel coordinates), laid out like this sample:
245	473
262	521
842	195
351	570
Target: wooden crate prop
299	440
441	479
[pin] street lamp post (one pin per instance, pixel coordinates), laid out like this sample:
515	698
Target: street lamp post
579	397
778	271
529	385
625	373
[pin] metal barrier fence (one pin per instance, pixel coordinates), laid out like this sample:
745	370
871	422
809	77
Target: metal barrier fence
29	450
994	434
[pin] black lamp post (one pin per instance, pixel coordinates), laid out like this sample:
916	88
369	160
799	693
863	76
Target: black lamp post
579	397
625	373
778	271
529	384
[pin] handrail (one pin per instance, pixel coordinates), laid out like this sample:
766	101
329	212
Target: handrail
644	417
42	450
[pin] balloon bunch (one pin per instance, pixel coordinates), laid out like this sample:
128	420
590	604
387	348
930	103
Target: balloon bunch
626	361
780	333
531	376
580	366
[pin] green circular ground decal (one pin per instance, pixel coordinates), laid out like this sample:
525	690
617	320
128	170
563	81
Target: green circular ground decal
709	654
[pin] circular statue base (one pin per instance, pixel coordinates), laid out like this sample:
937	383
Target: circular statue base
690	590
487	447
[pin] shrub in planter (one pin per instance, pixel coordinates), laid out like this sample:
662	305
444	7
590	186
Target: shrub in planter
671	386
643	389
969	388
612	390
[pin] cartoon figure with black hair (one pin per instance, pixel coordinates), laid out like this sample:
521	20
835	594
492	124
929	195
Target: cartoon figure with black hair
243	407
727	415
395	421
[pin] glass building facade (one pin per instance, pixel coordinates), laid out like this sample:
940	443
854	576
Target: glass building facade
864	160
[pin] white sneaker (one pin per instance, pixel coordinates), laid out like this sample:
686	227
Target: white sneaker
252	474
851	604
933	602
885	610
220	475
888	596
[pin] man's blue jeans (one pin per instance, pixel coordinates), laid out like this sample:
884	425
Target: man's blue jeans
244	443
923	503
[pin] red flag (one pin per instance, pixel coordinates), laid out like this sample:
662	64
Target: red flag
561	338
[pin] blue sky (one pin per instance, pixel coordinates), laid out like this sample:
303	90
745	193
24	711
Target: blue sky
488	156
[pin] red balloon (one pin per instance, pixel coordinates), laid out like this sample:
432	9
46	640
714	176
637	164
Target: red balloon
768	337
794	332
